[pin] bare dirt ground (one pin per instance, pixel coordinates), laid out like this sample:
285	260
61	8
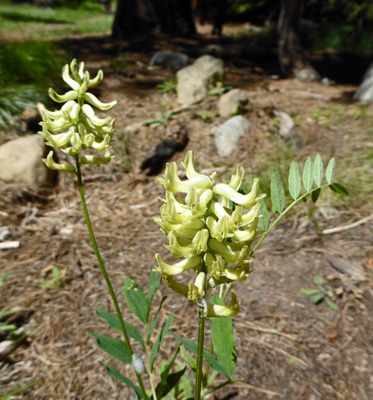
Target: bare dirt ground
288	348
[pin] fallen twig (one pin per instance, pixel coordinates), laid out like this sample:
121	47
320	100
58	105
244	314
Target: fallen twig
346	227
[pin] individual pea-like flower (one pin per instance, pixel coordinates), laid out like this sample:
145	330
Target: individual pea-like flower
211	227
75	126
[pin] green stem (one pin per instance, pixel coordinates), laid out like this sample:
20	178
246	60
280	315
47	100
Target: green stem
201	339
104	272
266	233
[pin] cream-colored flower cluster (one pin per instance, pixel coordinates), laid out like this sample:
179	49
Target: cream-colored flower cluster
75	126
210	229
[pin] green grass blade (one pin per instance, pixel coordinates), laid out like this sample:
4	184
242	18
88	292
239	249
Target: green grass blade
294	180
277	192
318	170
330	171
308	174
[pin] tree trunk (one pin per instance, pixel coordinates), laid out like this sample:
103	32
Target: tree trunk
175	16
292	59
133	18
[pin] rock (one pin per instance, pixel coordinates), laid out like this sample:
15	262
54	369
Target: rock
364	93
20	161
228	134
195	81
169	59
354	271
287	129
233	102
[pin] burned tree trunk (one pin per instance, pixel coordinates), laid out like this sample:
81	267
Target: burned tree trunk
133	19
293	60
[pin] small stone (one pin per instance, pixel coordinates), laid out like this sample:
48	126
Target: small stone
169	59
228	134
235	101
20	161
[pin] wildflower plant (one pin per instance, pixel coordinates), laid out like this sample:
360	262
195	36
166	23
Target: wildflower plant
212	229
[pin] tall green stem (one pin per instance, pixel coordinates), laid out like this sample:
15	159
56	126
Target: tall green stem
201	340
103	270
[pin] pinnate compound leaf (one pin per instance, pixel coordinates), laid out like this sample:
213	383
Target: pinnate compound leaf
135	299
330	171
294	180
158	342
309	292
192	347
115	347
308	174
315	194
318	170
277	192
263	222
223	339
338	188
121	378
113	321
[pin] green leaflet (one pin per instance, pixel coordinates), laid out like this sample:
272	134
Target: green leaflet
117	375
277	192
154	282
168	381
136	300
318	170
223	339
113	321
115	347
315	194
192	347
330	171
295	182
158	341
154	321
338	188
308	174
263	222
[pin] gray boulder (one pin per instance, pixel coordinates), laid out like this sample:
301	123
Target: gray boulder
169	59
20	161
235	101
364	93
228	134
195	81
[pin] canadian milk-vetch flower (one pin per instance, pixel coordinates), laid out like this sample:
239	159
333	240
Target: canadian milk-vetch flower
210	227
75	126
